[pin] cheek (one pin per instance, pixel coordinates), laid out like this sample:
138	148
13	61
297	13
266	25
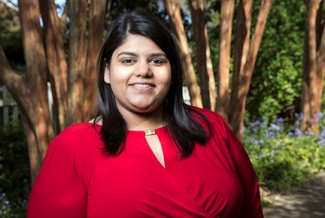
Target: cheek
166	76
119	76
169	80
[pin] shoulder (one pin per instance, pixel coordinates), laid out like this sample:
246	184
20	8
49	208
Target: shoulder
78	134
211	116
80	127
211	120
83	129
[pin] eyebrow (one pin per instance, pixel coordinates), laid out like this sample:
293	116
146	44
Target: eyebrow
158	54
127	53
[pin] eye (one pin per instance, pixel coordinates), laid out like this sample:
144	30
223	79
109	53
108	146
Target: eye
157	61
128	61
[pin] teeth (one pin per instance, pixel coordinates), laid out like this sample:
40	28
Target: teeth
142	85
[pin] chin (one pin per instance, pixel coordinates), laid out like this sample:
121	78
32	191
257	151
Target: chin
146	110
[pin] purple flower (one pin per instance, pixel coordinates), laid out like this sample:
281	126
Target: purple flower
279	120
275	127
318	116
321	142
310	121
300	115
297	132
297	123
308	133
258	142
322	134
255	123
270	134
321	137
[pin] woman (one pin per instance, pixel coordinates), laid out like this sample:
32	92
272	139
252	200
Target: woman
146	154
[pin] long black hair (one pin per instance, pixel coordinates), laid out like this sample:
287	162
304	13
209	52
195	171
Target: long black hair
184	129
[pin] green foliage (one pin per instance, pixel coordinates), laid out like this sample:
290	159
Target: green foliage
277	77
117	7
213	25
13	47
283	163
10	36
282	156
15	172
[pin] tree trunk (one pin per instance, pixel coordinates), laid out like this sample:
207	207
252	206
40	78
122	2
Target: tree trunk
310	71
204	62
320	63
28	90
57	63
226	17
14	84
237	119
242	36
95	41
35	159
77	60
74	92
63	18
173	10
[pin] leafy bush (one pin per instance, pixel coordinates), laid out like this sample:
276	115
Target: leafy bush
14	171
282	156
276	81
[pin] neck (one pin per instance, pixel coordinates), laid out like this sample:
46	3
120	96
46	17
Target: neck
143	121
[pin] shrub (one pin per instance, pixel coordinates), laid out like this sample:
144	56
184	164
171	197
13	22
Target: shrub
282	155
14	171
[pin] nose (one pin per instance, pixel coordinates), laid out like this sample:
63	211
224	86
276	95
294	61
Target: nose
143	69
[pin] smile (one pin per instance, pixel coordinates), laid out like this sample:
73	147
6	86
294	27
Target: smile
142	85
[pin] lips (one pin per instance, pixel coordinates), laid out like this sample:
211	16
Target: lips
142	85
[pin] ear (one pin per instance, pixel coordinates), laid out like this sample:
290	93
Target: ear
106	75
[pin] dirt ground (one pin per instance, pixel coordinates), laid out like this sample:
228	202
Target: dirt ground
304	202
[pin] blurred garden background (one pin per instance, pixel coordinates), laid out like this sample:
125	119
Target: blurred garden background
260	64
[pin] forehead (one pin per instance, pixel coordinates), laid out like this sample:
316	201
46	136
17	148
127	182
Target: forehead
138	43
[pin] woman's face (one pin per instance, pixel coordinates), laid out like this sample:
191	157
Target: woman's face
139	74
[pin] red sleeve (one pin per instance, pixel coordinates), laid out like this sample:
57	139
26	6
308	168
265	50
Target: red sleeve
58	190
251	197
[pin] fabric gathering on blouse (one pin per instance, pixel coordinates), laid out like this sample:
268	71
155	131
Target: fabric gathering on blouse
79	180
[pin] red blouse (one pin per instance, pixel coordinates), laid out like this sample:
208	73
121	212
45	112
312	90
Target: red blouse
77	180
